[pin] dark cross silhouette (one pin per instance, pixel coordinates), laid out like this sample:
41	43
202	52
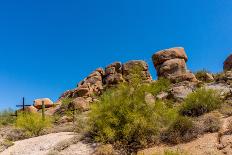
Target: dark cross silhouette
23	104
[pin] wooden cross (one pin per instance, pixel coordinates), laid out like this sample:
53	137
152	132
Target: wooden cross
23	104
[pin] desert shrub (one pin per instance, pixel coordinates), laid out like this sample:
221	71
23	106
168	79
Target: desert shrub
201	101
202	75
16	134
5	144
32	123
6	118
65	102
211	122
123	115
181	130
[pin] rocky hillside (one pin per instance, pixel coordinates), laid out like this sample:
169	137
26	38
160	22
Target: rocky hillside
120	109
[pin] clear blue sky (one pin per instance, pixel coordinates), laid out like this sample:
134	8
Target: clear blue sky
48	46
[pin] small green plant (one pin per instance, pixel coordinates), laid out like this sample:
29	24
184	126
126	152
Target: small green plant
32	123
201	101
6	118
202	76
65	106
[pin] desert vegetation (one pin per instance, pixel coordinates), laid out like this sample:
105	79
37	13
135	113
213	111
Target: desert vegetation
32	123
6	118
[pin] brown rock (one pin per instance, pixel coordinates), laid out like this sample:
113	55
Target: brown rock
30	109
168	54
113	74
173	66
228	63
136	67
79	103
170	63
47	102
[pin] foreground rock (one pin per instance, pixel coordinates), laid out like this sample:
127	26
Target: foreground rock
171	64
38	145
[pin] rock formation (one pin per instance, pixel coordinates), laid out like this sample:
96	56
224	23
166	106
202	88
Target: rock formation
113	74
228	63
47	102
171	64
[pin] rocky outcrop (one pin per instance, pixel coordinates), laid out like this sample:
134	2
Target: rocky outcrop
113	74
227	66
138	68
79	103
47	102
171	64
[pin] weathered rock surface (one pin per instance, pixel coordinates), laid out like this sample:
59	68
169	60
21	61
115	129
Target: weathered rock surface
30	109
138	67
168	54
79	103
180	91
171	64
113	74
47	102
228	63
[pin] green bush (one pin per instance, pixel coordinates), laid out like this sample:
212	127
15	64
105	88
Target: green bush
201	101
6	118
123	115
32	123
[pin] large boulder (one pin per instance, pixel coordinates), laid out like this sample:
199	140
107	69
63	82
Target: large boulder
47	102
228	63
171	64
138	67
168	54
79	103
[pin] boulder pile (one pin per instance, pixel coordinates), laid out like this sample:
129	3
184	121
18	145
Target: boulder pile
113	74
171	63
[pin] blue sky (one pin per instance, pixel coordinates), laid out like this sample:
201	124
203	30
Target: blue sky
48	46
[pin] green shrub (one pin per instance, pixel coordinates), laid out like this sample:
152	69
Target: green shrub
6	118
32	123
181	130
202	75
123	115
201	101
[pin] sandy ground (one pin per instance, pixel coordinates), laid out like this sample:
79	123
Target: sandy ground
38	145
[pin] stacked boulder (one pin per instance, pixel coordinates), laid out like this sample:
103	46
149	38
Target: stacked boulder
171	64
